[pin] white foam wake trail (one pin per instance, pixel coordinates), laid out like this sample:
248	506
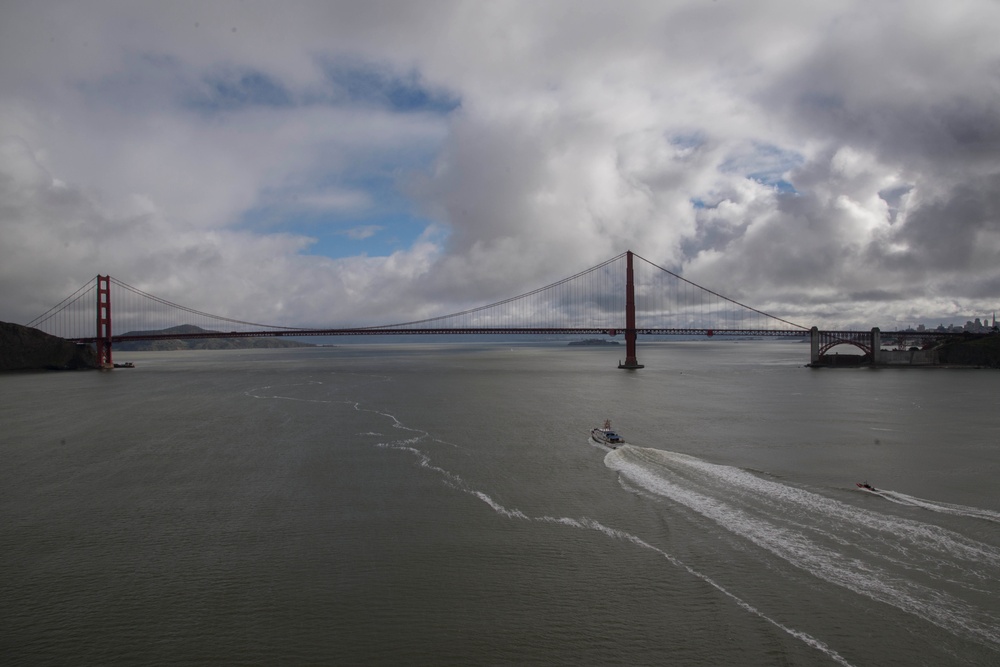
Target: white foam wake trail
456	482
416	436
945	508
743	604
590	524
829	539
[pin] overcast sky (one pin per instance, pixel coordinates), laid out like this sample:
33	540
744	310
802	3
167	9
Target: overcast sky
833	163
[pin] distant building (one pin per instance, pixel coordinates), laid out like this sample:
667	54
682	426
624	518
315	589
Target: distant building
985	324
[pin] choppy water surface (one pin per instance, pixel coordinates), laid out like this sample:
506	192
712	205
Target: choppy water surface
426	504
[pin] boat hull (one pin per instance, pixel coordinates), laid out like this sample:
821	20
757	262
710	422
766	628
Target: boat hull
601	437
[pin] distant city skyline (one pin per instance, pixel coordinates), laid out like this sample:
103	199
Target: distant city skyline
984	325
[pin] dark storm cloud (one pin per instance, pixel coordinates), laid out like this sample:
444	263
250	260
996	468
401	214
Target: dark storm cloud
946	234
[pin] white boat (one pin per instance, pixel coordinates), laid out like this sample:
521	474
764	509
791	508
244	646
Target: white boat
606	436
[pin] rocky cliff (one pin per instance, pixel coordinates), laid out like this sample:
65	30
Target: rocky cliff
23	348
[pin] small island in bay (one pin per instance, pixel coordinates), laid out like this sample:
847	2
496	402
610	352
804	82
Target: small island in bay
593	341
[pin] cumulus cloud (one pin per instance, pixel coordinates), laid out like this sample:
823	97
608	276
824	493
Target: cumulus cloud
837	165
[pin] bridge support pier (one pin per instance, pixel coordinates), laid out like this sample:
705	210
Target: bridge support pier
631	363
814	346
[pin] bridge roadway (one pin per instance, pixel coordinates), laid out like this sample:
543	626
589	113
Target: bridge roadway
375	331
846	337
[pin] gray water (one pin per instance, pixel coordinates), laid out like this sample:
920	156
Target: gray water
443	505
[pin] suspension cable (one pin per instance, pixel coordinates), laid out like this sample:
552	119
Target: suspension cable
198	312
499	303
65	303
705	289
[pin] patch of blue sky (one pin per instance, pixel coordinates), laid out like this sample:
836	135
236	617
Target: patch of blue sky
373	236
360	214
349	82
362	217
780	185
235	90
687	140
766	164
358	82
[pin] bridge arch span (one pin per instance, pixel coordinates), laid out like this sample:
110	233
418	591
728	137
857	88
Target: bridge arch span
866	349
869	342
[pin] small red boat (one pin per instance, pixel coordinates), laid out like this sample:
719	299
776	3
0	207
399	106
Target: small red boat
866	486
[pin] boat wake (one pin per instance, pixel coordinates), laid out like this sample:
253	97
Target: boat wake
944	508
413	437
794	524
918	568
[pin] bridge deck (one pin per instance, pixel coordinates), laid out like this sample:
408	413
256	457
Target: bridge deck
548	331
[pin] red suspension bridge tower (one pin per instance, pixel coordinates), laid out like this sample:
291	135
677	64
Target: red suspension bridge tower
631	362
104	322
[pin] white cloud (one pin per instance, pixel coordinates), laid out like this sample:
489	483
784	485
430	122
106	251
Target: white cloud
361	233
141	139
338	201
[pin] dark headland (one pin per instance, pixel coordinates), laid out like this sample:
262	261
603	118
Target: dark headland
982	352
26	349
970	351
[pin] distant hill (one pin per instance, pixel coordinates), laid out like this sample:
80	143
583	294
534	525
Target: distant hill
169	344
23	348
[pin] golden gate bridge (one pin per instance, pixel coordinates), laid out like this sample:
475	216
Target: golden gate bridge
626	294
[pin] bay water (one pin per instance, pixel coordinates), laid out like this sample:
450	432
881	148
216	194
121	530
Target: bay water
443	504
